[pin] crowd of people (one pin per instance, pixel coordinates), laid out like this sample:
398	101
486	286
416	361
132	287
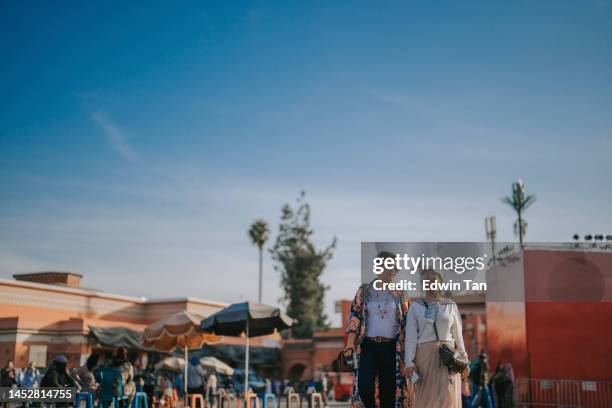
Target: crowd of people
115	380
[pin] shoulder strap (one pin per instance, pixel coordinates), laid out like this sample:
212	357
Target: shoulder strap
434	322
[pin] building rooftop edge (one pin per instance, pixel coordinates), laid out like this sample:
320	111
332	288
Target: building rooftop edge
105	295
568	247
42	273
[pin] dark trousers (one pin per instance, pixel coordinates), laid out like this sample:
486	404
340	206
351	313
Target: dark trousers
377	360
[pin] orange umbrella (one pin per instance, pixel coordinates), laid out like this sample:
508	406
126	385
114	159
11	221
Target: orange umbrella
182	330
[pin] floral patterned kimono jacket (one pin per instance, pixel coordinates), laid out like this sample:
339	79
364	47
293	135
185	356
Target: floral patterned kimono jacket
357	324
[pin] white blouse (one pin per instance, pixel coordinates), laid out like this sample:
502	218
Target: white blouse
420	329
381	317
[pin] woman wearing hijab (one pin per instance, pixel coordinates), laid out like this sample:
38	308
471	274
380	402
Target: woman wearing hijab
57	375
502	384
437	386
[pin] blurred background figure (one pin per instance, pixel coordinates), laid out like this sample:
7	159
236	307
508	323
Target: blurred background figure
57	375
195	377
502	386
85	376
109	380
125	367
479	374
178	385
8	377
211	388
169	397
150	379
29	377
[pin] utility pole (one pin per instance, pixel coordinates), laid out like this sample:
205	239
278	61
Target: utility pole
491	231
520	201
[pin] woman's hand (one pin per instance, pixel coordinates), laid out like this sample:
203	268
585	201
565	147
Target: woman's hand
465	374
350	345
408	371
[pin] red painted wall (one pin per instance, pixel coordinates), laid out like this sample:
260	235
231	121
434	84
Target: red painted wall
563	327
570	340
569	325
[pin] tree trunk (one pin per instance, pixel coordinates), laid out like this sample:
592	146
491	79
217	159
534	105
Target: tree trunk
520	225
260	274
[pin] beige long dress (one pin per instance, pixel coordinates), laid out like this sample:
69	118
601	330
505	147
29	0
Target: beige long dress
436	388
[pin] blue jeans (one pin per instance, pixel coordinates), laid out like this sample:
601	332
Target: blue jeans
377	360
483	394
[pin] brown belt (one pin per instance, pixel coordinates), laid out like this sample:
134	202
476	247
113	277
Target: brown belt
379	339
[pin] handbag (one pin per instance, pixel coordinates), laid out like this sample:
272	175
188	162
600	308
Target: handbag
447	356
344	364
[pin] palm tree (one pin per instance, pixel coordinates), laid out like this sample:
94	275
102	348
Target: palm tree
259	235
519	201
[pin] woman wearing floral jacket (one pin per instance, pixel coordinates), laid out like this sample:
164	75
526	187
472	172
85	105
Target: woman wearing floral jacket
376	332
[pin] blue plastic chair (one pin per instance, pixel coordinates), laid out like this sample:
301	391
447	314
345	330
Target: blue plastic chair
140	400
86	396
272	397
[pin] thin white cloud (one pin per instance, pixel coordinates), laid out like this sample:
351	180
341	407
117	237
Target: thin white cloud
198	246
114	135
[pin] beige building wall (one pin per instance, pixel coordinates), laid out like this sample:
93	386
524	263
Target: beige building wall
41	319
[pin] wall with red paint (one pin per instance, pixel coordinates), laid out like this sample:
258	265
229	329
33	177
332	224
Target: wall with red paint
563	327
569	335
570	340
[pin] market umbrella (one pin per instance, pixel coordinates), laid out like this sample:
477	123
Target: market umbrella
216	364
252	319
173	363
182	330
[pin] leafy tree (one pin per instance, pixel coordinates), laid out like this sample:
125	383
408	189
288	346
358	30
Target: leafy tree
301	264
520	202
259	233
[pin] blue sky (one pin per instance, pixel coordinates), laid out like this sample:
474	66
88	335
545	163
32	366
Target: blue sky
138	142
